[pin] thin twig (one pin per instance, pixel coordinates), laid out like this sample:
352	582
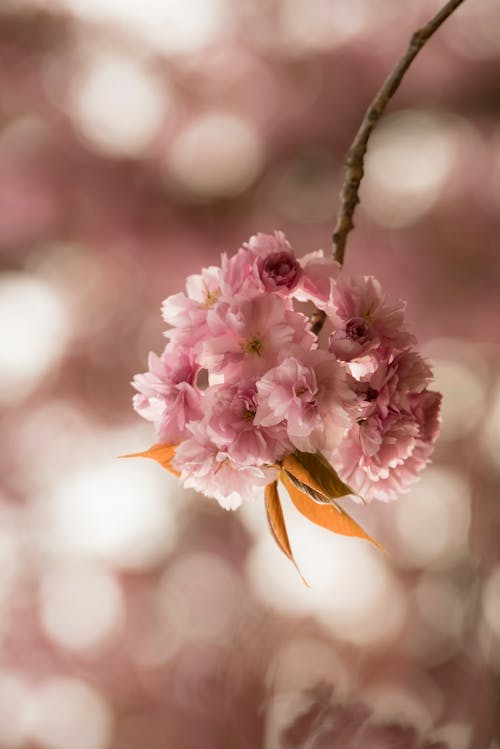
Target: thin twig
354	164
317	320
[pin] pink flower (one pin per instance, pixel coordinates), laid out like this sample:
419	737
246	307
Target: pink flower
240	277
426	408
381	456
267	263
389	386
362	320
187	313
279	272
210	470
247	338
231	425
242	382
308	391
397	425
266	244
315	281
166	393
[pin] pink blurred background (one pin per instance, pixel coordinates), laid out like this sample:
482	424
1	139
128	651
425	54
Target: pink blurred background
138	140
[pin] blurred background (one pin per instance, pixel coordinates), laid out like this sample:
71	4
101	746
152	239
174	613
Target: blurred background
138	140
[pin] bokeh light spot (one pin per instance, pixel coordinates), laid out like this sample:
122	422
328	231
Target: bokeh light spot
117	104
216	155
474	34
120	512
199	597
463	397
34	330
410	159
326	24
433	520
82	605
66	712
441	605
461	375
14	695
302	188
166	26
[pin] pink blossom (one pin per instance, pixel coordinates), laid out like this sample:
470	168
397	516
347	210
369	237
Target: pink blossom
397	425
370	455
310	393
279	272
267	263
166	393
242	272
266	244
352	465
208	469
240	277
381	456
231	425
426	408
362	320
247	338
242	382
187	313
317	274
389	386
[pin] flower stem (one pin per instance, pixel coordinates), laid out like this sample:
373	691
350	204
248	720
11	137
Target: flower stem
354	163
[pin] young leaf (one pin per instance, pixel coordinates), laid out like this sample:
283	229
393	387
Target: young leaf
334	519
314	471
313	493
162	453
277	523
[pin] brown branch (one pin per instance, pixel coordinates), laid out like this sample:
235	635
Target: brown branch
354	164
317	320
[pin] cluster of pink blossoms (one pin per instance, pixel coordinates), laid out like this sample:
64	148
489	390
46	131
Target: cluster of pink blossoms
243	380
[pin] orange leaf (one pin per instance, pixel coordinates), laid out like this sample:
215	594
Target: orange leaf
277	523
331	517
162	453
313	471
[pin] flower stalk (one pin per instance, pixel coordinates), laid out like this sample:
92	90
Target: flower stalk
354	163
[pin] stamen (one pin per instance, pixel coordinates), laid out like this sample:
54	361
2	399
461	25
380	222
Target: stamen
211	297
253	346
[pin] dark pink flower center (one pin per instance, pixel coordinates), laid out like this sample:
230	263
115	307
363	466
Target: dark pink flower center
357	329
280	269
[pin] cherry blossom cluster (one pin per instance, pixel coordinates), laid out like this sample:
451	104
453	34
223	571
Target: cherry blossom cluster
244	381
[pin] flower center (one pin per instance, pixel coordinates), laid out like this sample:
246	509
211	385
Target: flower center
357	329
211	297
280	269
253	346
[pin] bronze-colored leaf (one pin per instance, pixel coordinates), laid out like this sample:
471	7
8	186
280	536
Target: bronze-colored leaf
314	471
162	453
277	524
313	493
334	519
